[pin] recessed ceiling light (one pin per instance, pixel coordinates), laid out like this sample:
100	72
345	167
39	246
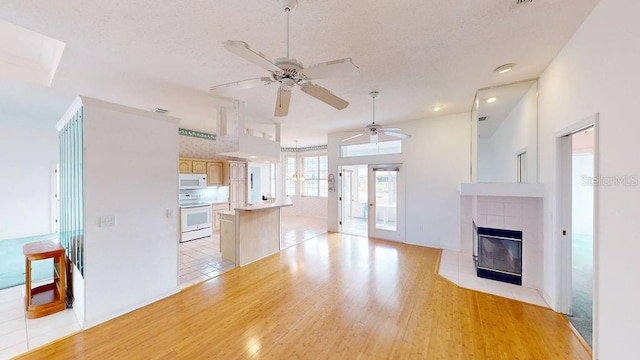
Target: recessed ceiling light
252	156
160	110
437	107
491	99
504	68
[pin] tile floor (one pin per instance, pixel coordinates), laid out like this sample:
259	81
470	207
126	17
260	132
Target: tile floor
19	334
200	260
459	268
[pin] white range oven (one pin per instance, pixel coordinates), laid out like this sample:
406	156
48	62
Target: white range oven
195	221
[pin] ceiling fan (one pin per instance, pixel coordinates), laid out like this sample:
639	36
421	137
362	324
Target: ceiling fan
374	129
289	72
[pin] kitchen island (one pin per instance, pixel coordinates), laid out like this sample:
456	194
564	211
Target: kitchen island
250	233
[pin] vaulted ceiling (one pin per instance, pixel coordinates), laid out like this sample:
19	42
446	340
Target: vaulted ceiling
416	53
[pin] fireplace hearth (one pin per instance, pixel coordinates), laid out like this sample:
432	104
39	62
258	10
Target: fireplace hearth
498	254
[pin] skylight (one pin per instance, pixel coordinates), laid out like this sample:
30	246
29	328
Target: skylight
26	55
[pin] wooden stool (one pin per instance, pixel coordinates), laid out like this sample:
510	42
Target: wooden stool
50	298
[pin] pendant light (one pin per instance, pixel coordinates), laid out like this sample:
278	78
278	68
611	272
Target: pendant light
295	176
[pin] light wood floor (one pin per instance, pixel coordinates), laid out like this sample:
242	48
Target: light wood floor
334	296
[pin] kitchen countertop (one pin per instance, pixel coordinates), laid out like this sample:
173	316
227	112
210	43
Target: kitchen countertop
278	203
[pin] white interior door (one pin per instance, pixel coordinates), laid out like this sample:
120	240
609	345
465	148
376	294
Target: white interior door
386	202
577	235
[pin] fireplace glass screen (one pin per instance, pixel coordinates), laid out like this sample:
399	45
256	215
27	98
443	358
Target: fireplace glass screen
500	254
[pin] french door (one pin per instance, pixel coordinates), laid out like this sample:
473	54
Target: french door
386	202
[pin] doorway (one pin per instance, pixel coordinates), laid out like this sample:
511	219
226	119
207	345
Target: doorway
354	200
577	234
386	205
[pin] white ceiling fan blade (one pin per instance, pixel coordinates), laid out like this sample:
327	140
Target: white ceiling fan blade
390	129
243	50
335	68
324	95
240	85
282	101
397	134
353	137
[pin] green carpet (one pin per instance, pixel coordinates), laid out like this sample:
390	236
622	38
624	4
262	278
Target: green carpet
582	286
12	270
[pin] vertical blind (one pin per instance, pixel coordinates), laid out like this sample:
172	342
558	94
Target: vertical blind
72	189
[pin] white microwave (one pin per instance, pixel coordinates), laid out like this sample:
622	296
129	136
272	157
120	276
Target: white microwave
192	181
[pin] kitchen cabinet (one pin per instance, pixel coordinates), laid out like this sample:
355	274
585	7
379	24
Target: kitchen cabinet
228	236
214	174
198	166
184	166
217	209
213	169
236	173
237	170
237	194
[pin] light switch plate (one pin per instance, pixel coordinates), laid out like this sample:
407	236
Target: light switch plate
107	220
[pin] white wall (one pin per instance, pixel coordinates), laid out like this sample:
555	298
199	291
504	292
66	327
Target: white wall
27	157
131	171
436	160
497	155
597	72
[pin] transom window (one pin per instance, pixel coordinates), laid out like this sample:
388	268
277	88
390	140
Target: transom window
368	149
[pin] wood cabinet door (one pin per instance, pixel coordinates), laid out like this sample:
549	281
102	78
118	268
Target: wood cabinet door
242	171
233	195
242	192
237	194
237	170
184	166
216	219
214	173
233	170
199	167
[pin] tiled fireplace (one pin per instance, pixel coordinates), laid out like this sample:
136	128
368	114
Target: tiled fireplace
511	221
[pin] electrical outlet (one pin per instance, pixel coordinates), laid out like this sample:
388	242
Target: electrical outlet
107	220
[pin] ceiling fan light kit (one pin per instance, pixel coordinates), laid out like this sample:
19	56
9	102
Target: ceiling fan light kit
289	72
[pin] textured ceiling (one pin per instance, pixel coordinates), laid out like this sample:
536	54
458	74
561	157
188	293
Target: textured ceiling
417	53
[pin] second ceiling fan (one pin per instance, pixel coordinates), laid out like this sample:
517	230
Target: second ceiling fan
289	72
373	129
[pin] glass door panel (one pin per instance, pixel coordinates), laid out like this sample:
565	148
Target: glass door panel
386	217
347	196
386	202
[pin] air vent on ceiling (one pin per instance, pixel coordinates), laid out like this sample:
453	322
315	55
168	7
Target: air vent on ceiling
483	118
160	111
522	1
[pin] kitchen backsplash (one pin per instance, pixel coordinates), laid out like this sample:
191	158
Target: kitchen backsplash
220	193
